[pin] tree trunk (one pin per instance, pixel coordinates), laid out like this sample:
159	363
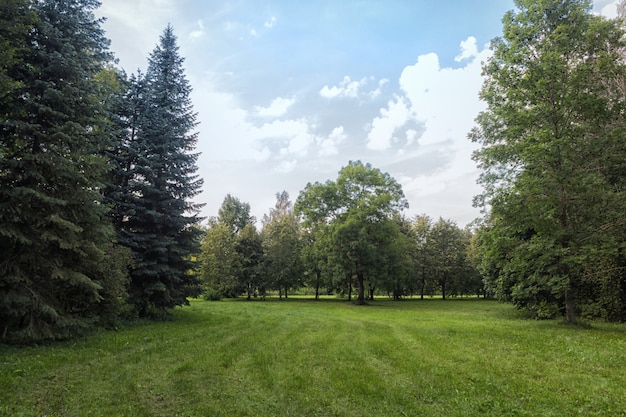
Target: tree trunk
423	282
570	308
349	287
443	288
371	290
361	282
318	274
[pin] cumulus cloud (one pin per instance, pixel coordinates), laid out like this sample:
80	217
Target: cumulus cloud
328	146
277	107
347	88
445	99
445	102
378	91
469	49
352	88
384	127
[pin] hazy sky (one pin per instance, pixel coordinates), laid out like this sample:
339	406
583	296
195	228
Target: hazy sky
287	92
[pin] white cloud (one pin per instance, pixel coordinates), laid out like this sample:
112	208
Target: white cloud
270	23
295	136
383	128
198	32
378	91
610	10
445	101
347	88
352	89
329	146
132	20
468	49
411	136
254	33
277	107
285	167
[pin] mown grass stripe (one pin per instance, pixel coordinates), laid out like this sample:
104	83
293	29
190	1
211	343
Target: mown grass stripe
329	358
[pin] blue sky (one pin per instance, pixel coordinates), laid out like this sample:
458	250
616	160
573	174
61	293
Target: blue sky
287	92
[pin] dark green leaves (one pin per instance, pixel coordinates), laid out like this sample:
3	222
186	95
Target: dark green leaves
553	110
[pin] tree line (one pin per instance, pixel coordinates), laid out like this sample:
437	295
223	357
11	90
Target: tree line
98	178
347	237
552	238
97	172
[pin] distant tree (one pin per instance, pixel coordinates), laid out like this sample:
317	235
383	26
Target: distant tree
232	253
424	255
395	268
221	263
59	273
447	244
282	244
158	180
314	256
235	214
470	281
249	246
357	208
553	155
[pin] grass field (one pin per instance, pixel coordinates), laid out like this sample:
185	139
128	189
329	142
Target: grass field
326	358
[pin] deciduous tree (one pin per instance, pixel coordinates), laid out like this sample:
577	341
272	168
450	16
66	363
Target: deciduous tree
356	207
282	244
553	155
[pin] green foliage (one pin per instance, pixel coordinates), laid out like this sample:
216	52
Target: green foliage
235	214
357	211
221	263
326	358
232	253
154	180
250	249
282	246
16	19
55	236
553	155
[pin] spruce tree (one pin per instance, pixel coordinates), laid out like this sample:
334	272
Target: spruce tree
55	240
156	181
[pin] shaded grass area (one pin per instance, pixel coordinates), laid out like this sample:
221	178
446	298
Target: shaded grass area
328	358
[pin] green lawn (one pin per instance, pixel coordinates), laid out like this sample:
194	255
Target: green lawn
326	358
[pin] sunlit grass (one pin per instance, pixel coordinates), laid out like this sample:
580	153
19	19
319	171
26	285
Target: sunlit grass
328	358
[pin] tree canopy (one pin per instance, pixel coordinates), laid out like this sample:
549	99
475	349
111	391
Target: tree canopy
552	154
358	209
55	239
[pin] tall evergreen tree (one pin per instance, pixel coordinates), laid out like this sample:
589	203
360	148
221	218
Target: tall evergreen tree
156	180
54	236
